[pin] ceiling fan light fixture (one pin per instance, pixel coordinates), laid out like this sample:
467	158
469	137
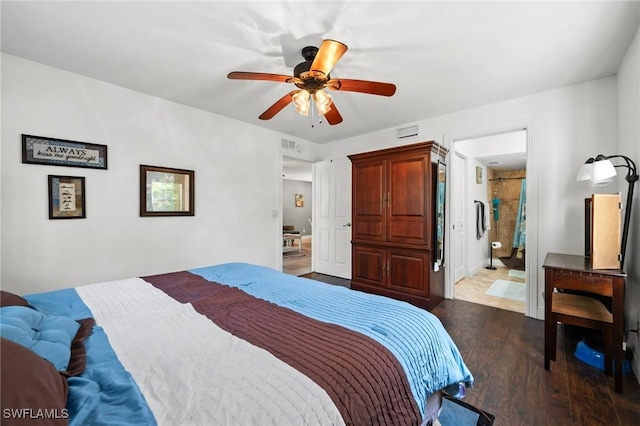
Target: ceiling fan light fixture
301	101
323	102
310	77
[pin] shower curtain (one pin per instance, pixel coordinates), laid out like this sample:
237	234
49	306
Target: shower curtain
520	234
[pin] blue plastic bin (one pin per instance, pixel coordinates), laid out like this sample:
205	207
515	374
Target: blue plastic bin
587	354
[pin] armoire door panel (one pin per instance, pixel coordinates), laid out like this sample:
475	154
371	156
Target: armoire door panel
369	201
370	184
407	180
369	265
408	272
407	213
407	232
368	230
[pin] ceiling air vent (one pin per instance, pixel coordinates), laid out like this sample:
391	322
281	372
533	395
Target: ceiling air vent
292	145
287	144
407	132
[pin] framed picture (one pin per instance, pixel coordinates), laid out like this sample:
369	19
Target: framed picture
166	192
61	152
299	200
478	174
67	197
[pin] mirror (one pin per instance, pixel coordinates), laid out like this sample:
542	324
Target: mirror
439	218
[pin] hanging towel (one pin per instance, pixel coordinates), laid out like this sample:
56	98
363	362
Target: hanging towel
480	219
496	211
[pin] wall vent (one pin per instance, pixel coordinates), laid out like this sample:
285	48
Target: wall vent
287	144
407	132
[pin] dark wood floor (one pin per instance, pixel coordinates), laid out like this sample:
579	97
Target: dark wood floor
505	352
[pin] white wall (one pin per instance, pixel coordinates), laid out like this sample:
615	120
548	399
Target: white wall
237	180
566	125
629	145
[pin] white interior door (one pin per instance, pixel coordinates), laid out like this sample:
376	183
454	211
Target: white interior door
332	217
458	192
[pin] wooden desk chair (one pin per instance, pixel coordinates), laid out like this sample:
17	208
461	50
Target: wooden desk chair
572	304
581	311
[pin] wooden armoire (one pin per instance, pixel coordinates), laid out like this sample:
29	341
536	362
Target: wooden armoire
398	223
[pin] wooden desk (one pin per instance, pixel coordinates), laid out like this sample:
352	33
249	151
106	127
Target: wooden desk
573	272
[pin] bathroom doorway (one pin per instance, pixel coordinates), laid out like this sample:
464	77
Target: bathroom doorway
492	208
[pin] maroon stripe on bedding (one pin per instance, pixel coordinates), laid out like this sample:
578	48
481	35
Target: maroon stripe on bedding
362	377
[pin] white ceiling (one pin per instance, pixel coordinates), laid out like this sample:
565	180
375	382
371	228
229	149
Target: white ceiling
442	56
504	151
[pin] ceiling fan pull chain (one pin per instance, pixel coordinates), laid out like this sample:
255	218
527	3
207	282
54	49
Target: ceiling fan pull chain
311	101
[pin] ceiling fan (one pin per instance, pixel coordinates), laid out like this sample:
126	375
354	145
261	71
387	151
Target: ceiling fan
311	77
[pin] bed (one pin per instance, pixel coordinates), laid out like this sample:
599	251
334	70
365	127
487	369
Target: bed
229	344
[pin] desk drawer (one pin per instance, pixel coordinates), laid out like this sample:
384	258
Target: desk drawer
583	281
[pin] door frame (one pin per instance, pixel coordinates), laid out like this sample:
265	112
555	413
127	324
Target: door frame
455	200
529	125
279	212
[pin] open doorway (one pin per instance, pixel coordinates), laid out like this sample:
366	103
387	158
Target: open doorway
297	208
489	220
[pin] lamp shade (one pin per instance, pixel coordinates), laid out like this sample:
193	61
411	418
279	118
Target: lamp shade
323	102
602	182
585	170
602	171
301	101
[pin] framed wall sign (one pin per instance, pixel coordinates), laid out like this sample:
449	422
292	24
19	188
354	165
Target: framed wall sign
61	152
166	192
67	197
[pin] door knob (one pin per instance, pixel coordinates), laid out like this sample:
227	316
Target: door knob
348	224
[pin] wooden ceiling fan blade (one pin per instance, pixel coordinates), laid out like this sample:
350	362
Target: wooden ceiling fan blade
278	106
243	75
333	115
362	86
328	55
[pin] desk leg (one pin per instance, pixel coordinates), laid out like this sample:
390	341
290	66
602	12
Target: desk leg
618	361
550	342
300	245
618	331
550	325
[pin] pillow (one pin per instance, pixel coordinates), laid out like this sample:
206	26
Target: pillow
30	385
10	299
47	335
